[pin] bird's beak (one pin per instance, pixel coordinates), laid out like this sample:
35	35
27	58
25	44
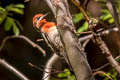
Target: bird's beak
43	16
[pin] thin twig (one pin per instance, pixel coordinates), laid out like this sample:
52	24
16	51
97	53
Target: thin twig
87	32
81	9
53	71
32	65
85	3
49	65
112	6
99	32
102	45
26	0
13	69
38	40
102	72
50	5
24	38
85	43
105	65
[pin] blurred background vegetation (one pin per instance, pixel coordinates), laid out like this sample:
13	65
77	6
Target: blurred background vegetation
16	18
7	17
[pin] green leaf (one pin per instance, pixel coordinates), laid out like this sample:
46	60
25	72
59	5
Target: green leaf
15	29
106	78
78	17
109	73
62	75
8	23
108	16
19	6
8	7
14	9
67	71
17	10
71	77
65	74
105	11
111	20
3	15
0	19
83	28
18	23
1	9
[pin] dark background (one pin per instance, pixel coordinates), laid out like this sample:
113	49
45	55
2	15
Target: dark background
19	53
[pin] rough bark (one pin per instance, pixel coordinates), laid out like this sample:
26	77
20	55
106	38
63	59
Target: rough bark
72	46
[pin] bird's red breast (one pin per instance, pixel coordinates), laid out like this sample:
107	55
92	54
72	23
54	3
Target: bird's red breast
48	26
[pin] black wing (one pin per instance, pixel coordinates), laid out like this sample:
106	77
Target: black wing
50	44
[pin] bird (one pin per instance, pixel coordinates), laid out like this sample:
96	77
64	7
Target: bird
51	35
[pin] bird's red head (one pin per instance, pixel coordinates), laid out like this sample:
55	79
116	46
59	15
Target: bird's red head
41	24
38	20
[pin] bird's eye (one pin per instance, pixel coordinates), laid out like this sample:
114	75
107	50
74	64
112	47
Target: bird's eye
37	18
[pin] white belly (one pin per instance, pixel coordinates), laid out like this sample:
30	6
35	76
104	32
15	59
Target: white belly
54	37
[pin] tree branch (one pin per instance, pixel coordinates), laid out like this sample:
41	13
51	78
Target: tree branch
48	66
105	65
102	72
102	45
24	38
81	9
100	33
74	51
113	9
13	70
50	5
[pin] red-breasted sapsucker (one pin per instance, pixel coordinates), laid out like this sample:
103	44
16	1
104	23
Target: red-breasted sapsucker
50	33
